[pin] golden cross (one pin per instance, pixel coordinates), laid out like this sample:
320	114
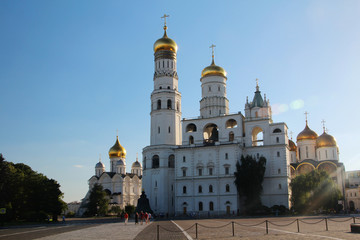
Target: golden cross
212	50
306	114
117	132
323	123
136	156
164	17
257	82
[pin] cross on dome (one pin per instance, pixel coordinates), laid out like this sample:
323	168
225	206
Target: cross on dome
212	51
164	17
323	123
306	116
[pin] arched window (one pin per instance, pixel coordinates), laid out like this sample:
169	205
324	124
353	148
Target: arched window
184	189
257	137
200	206
211	206
231	136
227	188
211	133
210	188
155	161
169	129
159	104
169	105
277	130
231	123
191	127
191	140
171	161
200	189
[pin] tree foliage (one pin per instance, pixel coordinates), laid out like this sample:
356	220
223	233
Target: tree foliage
314	190
249	177
98	202
28	195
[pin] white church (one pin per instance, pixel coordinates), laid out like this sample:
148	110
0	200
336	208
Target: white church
190	163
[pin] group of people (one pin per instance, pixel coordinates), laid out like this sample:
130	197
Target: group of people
143	217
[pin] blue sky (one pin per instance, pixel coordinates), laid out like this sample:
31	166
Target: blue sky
72	72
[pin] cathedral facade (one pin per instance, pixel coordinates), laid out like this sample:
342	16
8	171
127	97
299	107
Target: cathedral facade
190	163
122	188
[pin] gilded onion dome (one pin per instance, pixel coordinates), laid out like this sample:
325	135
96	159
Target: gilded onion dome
165	43
213	70
117	150
136	164
292	145
307	134
325	140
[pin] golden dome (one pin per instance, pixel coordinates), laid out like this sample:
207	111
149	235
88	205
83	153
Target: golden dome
165	43
292	145
117	150
213	70
325	140
307	134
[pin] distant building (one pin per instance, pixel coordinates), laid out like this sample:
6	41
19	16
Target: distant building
122	188
353	190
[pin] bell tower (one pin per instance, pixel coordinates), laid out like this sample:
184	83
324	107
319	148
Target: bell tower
165	98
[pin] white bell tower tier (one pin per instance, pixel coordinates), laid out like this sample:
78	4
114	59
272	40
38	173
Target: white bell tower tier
213	91
165	99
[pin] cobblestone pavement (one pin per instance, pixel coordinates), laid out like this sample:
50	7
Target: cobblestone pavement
109	231
278	228
167	230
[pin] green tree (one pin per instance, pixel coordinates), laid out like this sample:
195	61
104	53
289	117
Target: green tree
314	190
130	209
249	177
28	195
98	202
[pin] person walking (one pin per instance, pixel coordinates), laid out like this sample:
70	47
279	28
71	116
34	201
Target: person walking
141	217
136	218
146	218
126	216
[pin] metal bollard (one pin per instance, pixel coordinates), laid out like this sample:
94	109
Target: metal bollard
158	232
267	229
297	221
326	224
196	231
233	228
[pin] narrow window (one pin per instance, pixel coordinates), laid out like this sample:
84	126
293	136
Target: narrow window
172	187
231	136
278	154
277	139
200	171
167	63
184	159
226	156
169	129
158	129
210	112
159	104
210	188
227	188
211	206
184	189
279	186
200	206
169	104
209	89
191	140
326	154
279	171
226	170
200	189
210	171
155	183
307	152
219	88
184	173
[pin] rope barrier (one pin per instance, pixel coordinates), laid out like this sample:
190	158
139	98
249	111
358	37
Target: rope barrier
213	226
282	225
331	219
311	222
250	225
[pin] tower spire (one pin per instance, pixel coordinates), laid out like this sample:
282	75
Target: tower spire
323	123
257	84
212	53
306	117
165	27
